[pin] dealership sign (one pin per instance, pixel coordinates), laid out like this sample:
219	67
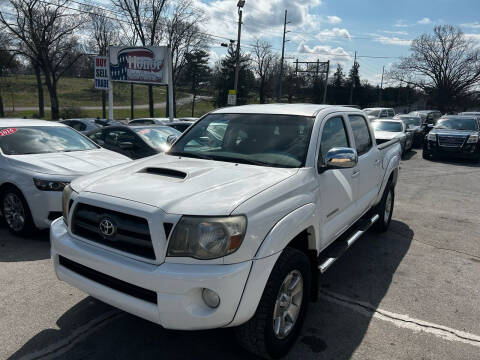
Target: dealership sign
101	72
144	64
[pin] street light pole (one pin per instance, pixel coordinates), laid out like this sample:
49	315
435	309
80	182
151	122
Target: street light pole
283	57
240	5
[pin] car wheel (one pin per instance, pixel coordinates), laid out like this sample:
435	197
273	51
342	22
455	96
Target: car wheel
426	155
385	209
16	212
280	314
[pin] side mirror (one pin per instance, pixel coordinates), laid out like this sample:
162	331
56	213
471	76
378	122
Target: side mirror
339	158
171	139
126	145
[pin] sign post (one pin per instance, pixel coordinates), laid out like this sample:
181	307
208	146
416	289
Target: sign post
170	84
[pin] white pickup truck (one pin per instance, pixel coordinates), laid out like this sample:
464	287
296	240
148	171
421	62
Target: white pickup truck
234	225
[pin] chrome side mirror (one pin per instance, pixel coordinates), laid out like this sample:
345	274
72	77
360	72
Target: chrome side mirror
171	139
339	158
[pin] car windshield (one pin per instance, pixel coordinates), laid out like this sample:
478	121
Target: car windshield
258	139
389	126
457	124
156	137
42	139
372	112
411	121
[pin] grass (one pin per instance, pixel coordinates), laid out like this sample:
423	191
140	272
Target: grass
21	91
201	108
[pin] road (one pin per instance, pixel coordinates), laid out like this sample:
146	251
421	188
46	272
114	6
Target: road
412	293
181	101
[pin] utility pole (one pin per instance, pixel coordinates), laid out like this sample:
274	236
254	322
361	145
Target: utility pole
381	88
326	83
353	81
283	57
240	5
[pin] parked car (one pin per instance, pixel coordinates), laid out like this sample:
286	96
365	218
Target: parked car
235	233
379	113
86	125
177	124
135	141
386	130
37	159
413	125
429	117
454	136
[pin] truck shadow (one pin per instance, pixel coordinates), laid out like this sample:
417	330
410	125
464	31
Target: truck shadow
332	329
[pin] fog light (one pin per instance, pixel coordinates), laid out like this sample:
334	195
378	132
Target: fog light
211	298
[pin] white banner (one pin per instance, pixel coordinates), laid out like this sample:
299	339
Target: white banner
101	72
139	64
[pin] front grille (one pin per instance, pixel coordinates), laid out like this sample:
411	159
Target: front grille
451	141
129	233
109	281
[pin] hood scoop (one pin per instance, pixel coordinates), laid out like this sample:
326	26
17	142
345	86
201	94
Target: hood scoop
175	174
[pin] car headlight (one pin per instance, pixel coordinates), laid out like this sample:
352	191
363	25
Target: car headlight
207	238
432	137
472	139
66	195
49	185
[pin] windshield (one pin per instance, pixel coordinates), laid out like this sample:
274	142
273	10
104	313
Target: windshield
411	121
371	112
457	124
389	126
156	137
259	139
42	139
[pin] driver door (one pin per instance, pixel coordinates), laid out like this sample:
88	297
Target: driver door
337	189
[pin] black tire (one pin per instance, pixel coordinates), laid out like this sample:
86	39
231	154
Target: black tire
28	225
257	335
426	155
385	219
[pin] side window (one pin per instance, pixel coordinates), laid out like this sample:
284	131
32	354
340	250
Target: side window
334	135
391	113
115	137
96	136
79	126
363	141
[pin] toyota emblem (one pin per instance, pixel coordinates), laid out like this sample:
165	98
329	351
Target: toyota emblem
107	228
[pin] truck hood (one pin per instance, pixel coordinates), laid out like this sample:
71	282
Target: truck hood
388	135
184	186
68	163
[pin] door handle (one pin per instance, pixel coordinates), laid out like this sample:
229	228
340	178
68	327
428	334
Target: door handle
355	173
377	162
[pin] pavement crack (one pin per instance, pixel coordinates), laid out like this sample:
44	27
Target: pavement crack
401	320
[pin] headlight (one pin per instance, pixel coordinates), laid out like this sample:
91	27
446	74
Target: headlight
48	185
207	238
432	137
472	139
66	195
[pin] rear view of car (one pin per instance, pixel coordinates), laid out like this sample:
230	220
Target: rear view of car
37	160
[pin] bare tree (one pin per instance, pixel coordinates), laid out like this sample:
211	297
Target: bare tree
263	59
45	31
181	31
145	17
7	63
104	32
445	65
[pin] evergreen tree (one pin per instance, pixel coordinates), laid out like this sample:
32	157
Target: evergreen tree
338	77
196	71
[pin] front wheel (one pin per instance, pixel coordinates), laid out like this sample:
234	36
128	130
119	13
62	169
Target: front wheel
15	212
280	314
385	209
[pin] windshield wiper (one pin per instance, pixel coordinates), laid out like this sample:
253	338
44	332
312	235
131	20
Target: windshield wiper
248	161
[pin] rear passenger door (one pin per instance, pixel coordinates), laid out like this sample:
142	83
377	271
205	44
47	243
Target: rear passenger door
367	171
336	188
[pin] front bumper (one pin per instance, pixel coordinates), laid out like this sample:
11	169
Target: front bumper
178	287
45	206
467	151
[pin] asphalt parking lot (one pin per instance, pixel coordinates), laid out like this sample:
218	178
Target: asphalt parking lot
412	293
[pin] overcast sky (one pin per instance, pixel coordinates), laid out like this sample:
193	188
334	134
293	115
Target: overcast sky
335	29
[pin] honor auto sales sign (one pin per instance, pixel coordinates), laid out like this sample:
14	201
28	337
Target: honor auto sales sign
146	64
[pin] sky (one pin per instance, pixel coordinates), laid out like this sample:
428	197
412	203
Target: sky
379	30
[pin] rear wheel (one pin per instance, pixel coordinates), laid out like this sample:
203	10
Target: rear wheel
280	314
16	212
385	209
